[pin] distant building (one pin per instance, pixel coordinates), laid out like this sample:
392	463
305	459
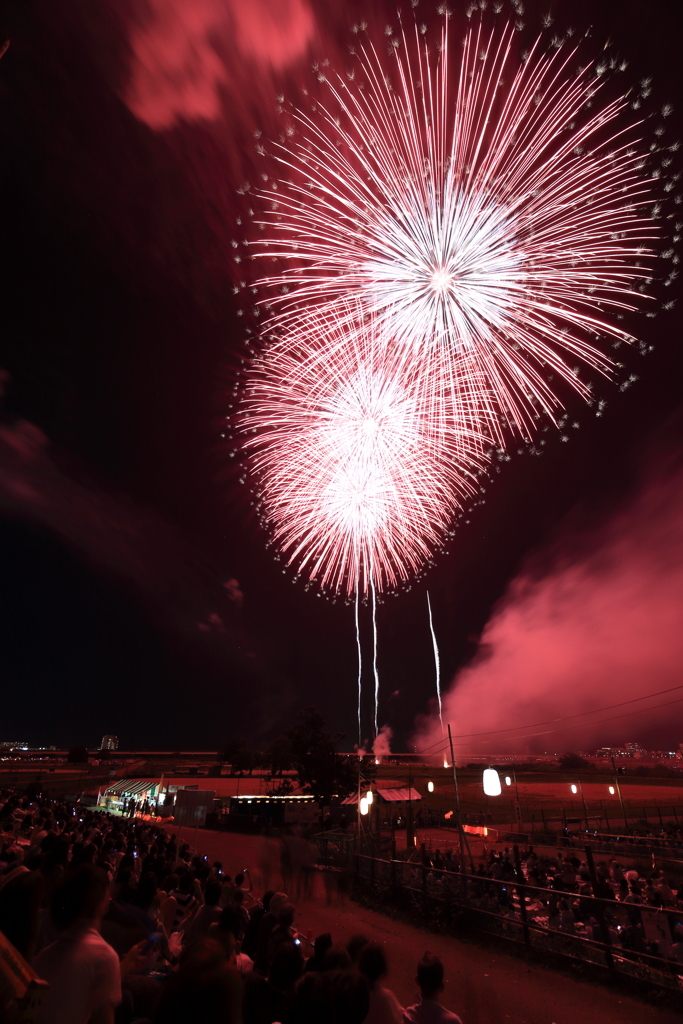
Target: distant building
628	750
109	743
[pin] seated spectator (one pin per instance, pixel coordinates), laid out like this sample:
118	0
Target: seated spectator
384	1006
205	990
255	917
268	1001
228	890
20	898
567	918
283	933
634	895
337	959
238	900
430	981
240	887
354	947
186	902
207	915
314	999
226	929
268	923
81	968
320	948
351	997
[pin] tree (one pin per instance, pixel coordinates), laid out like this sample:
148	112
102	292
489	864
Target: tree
278	756
320	770
77	755
283	788
238	755
571	762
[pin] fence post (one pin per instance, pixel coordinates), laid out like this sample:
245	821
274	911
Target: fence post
600	909
521	895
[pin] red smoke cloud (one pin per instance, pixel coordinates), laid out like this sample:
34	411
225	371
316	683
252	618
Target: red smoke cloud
603	625
184	53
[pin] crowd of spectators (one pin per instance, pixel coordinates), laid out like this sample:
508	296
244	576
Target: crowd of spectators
558	894
668	838
125	924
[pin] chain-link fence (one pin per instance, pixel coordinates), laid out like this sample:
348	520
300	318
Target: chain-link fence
625	939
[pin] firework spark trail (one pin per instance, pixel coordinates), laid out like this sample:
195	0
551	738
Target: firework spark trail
360	663
496	222
437	662
374	647
449	236
358	479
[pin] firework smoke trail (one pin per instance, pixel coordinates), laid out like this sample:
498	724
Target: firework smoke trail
497	209
358	480
437	661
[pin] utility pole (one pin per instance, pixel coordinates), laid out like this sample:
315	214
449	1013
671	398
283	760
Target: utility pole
621	800
464	843
585	812
410	827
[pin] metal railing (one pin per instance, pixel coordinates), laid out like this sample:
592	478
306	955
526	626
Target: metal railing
525	914
668	853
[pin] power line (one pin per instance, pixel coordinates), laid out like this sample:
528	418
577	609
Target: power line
552	721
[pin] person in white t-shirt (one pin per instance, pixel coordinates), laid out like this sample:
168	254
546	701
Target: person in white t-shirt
384	1006
429	1010
82	970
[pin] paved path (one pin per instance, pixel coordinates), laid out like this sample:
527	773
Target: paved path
482	987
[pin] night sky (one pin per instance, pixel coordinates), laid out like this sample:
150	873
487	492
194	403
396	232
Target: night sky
138	597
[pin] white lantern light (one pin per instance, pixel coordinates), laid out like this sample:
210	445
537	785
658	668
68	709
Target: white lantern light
611	789
574	790
492	785
508	780
430	786
369	797
445	764
363	805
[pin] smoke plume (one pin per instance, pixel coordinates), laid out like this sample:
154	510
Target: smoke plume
186	53
601	626
382	745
